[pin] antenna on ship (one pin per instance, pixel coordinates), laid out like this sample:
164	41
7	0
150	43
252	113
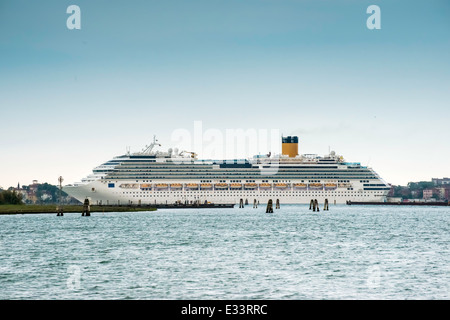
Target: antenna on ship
155	141
148	149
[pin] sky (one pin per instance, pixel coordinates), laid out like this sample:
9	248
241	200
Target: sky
73	99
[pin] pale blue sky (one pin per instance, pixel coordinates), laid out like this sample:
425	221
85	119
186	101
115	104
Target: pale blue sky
71	99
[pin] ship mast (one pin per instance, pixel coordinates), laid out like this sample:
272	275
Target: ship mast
148	149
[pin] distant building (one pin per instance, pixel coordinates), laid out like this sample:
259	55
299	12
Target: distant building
427	194
439	182
439	192
24	194
443	193
28	193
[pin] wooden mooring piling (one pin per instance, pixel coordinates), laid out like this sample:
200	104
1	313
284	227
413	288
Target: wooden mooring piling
86	209
269	208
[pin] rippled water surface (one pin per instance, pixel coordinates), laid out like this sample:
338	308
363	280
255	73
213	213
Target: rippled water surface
349	252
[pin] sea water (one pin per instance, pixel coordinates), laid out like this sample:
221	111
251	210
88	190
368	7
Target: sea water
348	252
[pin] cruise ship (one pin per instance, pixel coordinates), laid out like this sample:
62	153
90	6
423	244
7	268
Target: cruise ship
156	177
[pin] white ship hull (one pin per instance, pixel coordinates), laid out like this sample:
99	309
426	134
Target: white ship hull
98	192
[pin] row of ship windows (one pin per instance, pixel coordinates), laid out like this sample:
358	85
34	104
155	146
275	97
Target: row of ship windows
337	195
252	181
237	169
275	175
111	185
231	176
217	172
201	181
209	167
209	192
192	172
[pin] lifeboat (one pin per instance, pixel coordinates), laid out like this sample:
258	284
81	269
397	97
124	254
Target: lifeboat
206	186
146	186
281	185
221	186
161	186
300	186
175	186
129	185
236	186
250	186
330	186
192	186
344	185
315	186
265	186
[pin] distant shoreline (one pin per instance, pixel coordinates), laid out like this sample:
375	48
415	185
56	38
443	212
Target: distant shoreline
52	209
404	203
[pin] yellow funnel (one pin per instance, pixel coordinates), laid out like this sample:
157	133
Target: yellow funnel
289	146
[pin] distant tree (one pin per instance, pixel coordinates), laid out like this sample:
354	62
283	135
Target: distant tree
48	193
420	185
10	197
417	194
403	192
413	186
